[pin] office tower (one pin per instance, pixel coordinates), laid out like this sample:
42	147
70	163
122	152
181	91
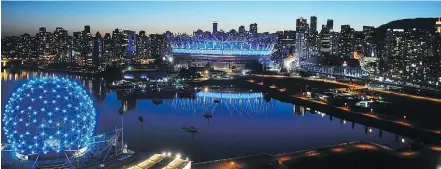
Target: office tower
368	44
62	46
44	42
42	29
87	29
142	46
214	27
330	24
313	24
108	49
253	28
302	48
141	33
285	43
346	45
301	23
87	42
24	46
118	44
242	29
358	45
157	45
335	42
97	57
313	35
129	45
325	44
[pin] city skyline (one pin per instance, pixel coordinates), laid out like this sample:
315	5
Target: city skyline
158	17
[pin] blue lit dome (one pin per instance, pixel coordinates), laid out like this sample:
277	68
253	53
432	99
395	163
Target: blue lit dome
49	115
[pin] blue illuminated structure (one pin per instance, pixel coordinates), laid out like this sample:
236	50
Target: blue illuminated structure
48	116
241	103
223	44
229	95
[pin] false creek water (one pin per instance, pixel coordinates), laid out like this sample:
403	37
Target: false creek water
243	123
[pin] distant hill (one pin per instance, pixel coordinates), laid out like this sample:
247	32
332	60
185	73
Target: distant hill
419	23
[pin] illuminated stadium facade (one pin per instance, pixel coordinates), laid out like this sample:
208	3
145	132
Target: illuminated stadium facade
223	45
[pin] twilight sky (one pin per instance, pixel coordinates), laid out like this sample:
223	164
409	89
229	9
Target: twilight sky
157	17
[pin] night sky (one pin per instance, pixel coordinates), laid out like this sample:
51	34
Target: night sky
158	17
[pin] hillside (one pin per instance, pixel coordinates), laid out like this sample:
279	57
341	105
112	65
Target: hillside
419	23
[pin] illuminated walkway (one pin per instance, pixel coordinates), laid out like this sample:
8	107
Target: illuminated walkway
357	87
163	161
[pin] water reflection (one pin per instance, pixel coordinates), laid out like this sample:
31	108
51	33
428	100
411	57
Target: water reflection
240	123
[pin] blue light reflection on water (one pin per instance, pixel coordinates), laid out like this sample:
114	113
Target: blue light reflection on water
238	126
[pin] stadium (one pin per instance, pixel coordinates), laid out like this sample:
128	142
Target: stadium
223	48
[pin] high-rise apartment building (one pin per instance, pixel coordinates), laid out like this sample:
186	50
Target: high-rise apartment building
253	28
214	27
330	24
346	45
302	34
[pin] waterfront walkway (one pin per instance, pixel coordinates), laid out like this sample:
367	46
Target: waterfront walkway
356	86
345	155
394	125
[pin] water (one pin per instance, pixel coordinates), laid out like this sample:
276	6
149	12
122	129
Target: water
244	125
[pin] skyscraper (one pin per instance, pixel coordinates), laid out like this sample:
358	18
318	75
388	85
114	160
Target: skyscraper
302	48
142	51
313	35
97	56
330	24
242	29
44	42
24	46
325	42
346	46
335	42
368	44
157	45
107	51
118	44
61	46
358	44
87	29
301	23
253	28
129	45
214	27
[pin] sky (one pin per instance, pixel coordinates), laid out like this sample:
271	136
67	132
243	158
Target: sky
185	17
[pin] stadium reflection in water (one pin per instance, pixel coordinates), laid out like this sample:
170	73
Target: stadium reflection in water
241	123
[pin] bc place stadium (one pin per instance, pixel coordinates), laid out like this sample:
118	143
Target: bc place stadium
219	47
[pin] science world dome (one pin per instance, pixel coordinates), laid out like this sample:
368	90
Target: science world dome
49	115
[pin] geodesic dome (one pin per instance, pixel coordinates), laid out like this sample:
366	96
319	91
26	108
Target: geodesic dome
49	115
